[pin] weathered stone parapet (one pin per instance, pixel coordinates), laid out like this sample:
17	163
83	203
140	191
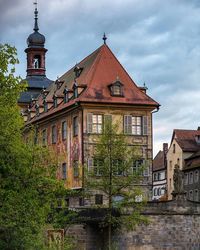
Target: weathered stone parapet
173	225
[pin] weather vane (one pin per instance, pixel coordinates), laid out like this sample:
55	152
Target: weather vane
35	3
104	38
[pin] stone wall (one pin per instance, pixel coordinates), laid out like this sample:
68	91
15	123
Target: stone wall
173	225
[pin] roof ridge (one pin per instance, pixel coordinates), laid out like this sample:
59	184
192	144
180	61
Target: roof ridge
93	65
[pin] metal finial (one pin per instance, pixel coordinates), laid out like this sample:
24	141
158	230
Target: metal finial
36	28
104	38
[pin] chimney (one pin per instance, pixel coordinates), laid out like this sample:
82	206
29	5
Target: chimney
165	150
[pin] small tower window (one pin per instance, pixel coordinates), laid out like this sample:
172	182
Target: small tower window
37	62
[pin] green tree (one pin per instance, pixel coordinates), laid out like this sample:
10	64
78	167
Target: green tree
116	178
27	171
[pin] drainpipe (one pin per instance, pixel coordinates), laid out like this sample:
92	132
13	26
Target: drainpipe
155	111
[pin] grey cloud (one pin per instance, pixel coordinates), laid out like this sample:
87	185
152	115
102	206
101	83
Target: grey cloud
156	41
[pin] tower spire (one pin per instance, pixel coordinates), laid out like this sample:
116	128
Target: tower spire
36	17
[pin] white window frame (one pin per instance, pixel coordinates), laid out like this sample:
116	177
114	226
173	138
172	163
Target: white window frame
136	125
94	123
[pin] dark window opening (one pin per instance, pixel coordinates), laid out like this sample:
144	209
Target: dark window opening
75	126
64	130
66	202
66	96
54	134
64	171
44	137
81	201
98	199
75	169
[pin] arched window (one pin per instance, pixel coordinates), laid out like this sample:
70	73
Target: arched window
37	62
196	176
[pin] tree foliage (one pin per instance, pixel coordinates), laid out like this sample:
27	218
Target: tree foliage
27	171
115	177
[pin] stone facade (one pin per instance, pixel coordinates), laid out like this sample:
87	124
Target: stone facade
183	145
173	225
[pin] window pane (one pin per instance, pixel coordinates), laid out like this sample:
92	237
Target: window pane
99	118
94	119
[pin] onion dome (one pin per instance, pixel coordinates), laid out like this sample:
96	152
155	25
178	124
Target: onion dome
36	39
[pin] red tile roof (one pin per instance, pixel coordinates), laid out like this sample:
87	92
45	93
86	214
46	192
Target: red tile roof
158	161
193	161
100	69
186	139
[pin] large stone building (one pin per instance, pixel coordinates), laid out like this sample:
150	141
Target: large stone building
70	113
183	145
160	174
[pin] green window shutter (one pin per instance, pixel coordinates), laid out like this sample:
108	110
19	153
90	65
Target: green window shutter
128	124
146	168
89	123
145	125
107	120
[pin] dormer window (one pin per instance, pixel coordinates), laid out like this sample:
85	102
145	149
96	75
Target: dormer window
55	101
58	83
66	95
75	89
77	71
197	138
116	89
45	106
37	109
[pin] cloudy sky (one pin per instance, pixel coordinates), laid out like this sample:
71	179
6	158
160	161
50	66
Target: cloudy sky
157	41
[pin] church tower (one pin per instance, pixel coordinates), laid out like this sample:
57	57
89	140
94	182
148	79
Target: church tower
36	51
36	70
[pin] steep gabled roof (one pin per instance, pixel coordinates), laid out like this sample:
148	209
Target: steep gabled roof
99	70
186	139
158	161
193	161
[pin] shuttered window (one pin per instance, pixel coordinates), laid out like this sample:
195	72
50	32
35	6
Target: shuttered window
136	125
145	125
128	124
94	123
